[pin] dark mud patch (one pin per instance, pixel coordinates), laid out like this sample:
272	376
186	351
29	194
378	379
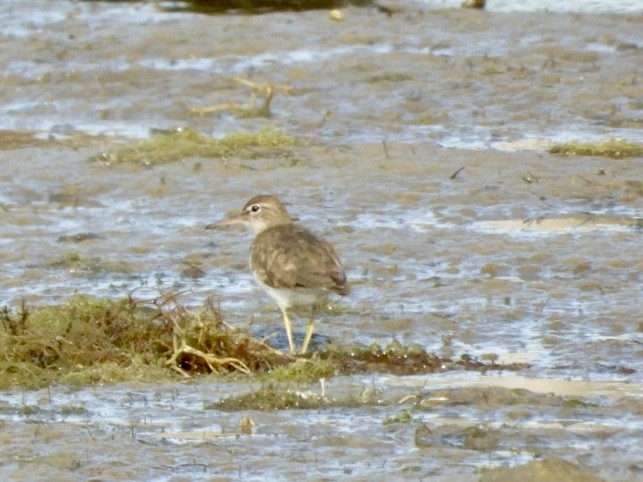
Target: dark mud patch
78	237
259	6
398	359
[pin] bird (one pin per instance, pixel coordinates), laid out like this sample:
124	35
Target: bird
292	264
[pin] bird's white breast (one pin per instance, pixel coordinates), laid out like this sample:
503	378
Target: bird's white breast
286	297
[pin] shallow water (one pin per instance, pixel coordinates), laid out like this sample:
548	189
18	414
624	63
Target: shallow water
522	254
107	432
586	6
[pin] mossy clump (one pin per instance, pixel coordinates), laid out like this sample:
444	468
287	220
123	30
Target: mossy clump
303	371
402	417
271	397
612	148
179	144
89	340
392	358
47	344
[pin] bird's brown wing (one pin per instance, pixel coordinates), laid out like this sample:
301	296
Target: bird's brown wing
290	256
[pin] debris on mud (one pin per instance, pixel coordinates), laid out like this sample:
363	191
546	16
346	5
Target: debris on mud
260	6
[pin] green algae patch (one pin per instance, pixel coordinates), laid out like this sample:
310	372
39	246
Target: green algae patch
176	145
612	148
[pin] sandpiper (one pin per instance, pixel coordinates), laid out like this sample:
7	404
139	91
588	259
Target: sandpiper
291	263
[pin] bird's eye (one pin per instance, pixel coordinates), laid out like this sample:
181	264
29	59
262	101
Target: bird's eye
255	208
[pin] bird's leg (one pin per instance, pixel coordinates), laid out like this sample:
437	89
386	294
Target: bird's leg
288	326
309	331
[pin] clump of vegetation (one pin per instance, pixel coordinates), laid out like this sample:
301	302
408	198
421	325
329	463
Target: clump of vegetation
179	144
103	341
392	358
271	397
612	148
400	359
402	417
303	371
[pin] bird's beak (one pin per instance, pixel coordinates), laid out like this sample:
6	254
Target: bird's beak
233	220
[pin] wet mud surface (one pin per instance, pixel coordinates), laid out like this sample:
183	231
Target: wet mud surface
409	428
422	154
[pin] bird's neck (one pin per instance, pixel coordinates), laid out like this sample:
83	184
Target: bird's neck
260	228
